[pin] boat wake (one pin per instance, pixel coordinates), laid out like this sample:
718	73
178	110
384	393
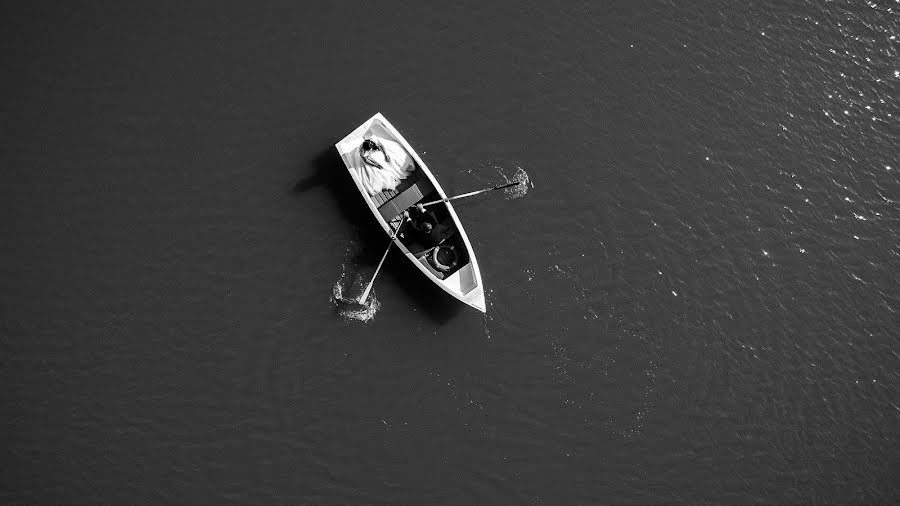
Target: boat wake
345	297
603	365
525	184
599	346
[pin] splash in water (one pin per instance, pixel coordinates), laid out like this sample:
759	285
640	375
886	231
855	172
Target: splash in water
345	297
349	307
514	192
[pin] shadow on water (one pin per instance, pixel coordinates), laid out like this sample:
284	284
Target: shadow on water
329	173
423	294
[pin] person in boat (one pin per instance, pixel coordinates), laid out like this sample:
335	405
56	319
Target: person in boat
427	229
432	234
382	164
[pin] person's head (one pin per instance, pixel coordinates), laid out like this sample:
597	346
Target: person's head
426	227
369	145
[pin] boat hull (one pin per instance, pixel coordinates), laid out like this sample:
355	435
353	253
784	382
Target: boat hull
462	279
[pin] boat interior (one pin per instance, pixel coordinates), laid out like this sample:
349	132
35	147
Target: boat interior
441	251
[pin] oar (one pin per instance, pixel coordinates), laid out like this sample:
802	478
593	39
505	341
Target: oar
365	294
448	199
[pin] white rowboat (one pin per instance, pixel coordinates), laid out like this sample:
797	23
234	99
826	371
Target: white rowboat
445	257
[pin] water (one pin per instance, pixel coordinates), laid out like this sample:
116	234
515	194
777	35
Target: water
694	299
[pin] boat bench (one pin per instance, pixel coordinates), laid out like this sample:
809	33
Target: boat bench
410	190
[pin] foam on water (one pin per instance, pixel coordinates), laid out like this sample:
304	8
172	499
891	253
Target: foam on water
349	307
514	192
345	297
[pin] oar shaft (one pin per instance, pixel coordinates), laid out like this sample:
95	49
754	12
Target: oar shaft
365	294
448	199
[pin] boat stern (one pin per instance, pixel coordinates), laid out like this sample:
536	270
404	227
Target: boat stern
477	301
465	285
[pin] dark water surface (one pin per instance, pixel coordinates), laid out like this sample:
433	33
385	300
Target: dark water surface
697	301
